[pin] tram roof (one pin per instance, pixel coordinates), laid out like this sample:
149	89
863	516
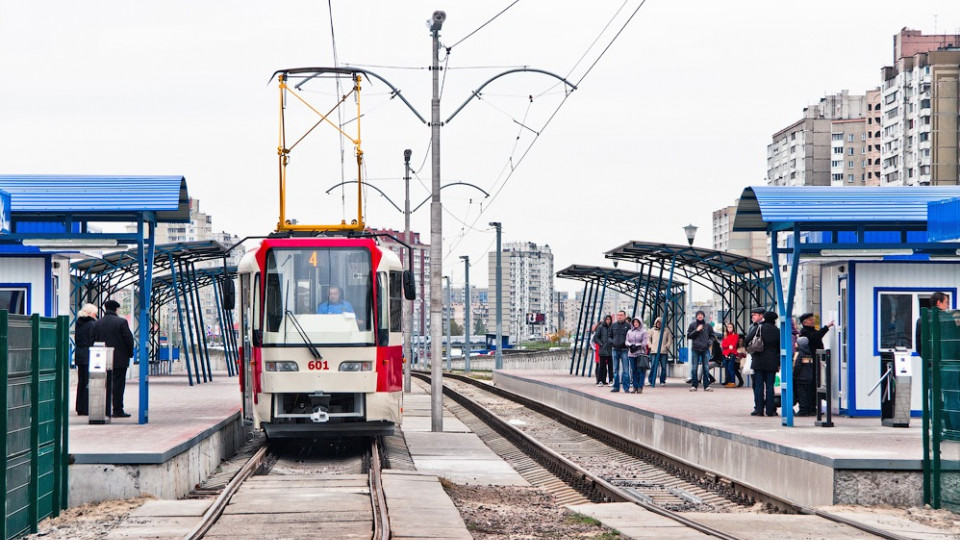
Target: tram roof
762	208
96	197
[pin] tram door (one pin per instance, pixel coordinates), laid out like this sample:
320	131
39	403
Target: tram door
246	352
841	374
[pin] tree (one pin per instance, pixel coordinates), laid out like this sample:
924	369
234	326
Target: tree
479	327
456	328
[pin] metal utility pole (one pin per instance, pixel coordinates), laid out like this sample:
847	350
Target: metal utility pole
447	310
407	304
498	364
466	314
436	234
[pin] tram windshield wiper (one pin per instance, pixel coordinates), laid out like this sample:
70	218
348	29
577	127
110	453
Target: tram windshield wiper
310	346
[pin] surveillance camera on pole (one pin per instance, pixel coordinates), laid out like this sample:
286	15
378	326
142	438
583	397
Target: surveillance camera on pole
436	21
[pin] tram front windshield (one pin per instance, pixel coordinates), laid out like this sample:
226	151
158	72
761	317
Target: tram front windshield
320	295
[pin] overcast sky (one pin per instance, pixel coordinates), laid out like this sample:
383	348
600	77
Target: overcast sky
671	124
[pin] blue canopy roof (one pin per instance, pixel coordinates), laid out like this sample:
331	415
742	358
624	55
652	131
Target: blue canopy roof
779	207
95	197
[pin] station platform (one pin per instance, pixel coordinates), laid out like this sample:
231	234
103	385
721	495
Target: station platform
190	430
857	461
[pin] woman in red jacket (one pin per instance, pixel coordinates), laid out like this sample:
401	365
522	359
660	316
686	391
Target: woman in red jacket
729	346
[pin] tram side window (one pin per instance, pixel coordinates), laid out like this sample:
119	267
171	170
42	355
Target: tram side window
274	310
396	302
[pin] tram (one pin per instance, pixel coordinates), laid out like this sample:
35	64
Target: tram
321	311
321	321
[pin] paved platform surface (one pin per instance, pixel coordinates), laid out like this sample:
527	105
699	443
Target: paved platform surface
854	443
456	454
180	416
633	521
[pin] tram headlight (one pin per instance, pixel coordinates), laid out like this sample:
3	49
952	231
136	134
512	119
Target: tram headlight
356	366
281	366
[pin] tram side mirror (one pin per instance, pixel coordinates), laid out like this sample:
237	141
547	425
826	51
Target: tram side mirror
229	294
258	338
409	286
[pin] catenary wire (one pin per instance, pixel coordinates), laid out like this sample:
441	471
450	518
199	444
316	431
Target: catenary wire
504	10
549	120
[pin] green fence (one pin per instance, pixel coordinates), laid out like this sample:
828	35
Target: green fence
34	369
940	340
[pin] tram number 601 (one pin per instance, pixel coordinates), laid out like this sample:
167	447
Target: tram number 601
317	365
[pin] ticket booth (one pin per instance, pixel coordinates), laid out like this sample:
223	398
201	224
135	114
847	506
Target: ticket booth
876	305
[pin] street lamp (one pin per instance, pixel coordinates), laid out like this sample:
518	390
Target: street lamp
498	363
690	231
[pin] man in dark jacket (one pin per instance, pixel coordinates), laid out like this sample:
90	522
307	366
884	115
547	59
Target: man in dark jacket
804	375
618	343
114	331
604	344
766	363
83	339
702	337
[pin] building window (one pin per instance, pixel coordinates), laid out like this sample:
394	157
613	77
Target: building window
836	163
850	137
863	136
14	297
850	164
837	137
849	178
850	151
838	150
837	177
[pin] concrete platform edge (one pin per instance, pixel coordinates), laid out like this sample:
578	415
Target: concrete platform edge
153	458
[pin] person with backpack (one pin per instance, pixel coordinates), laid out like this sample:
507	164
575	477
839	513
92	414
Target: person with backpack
701	335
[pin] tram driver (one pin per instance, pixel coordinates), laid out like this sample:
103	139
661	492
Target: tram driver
335	303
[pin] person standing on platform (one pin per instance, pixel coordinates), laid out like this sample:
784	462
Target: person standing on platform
602	339
621	366
637	355
729	345
815	343
83	337
114	331
804	378
658	361
702	336
766	363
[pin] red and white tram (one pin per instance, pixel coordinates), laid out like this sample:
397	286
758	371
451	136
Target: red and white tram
321	319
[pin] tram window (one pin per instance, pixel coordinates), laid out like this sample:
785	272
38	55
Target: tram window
383	300
274	297
396	301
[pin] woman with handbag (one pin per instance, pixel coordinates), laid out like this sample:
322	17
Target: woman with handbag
637	355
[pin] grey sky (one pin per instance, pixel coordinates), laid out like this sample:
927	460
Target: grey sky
670	125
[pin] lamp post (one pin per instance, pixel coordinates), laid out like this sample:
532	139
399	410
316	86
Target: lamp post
449	313
498	363
466	314
407	304
691	232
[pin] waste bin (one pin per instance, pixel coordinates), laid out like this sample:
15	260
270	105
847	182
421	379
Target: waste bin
895	398
101	363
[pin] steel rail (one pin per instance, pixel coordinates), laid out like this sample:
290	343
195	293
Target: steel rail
216	509
689	469
378	499
591	485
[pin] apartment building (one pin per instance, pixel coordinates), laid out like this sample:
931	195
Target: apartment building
527	271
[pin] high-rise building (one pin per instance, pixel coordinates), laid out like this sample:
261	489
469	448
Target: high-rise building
801	153
527	304
748	244
920	104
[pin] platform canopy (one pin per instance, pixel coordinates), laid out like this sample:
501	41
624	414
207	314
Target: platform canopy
740	282
651	295
176	279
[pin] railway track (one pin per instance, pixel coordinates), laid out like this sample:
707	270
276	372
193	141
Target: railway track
592	461
324	490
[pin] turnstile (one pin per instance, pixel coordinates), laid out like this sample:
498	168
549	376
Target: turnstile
101	364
